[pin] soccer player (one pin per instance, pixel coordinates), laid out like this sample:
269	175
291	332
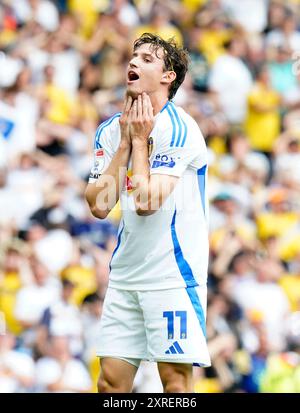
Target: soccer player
153	157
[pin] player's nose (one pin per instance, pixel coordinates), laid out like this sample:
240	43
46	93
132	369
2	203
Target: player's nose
133	63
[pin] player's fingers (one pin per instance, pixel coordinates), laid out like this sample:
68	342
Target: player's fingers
145	104
151	110
134	110
149	106
139	107
127	105
130	113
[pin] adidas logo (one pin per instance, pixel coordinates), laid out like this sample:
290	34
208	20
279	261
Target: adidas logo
174	349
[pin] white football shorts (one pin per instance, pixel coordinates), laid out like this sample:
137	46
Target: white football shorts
160	325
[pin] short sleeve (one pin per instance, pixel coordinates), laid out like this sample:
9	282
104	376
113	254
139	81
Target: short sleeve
103	150
174	159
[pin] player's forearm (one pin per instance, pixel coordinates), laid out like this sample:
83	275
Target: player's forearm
103	194
141	178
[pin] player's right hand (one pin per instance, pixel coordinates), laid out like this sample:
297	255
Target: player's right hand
124	123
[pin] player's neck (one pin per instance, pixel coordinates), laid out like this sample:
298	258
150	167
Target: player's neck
158	102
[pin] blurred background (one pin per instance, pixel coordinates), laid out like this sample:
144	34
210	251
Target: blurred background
62	72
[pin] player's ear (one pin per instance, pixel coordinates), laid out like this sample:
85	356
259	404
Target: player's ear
168	77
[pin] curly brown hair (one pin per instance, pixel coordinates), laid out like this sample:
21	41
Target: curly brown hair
175	58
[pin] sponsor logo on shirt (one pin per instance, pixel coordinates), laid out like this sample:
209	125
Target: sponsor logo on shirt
163	160
99	153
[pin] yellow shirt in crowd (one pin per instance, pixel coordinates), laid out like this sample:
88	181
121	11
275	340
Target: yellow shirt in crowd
271	224
87	12
211	43
167	32
84	279
263	128
9	287
60	104
290	283
193	5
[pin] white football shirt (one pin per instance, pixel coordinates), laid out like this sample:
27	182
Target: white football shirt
168	249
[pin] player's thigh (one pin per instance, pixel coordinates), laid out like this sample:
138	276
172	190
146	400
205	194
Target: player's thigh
116	375
176	377
122	331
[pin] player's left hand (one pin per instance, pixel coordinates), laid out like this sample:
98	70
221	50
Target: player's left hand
141	118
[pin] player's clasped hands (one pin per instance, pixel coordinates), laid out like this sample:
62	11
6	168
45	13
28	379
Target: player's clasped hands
137	119
141	119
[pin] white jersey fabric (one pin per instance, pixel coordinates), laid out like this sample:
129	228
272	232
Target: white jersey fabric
168	249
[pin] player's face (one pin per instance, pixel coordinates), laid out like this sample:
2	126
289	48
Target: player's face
145	71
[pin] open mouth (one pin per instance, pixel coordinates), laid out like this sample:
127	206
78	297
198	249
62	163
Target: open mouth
132	76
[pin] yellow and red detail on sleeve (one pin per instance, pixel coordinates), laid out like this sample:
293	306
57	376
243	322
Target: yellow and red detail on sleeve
129	187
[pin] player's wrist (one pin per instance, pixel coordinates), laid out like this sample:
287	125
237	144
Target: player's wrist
138	142
125	145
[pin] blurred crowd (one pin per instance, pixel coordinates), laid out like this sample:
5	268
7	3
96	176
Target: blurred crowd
62	72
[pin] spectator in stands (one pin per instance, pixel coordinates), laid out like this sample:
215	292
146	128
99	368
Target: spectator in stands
17	369
60	372
61	318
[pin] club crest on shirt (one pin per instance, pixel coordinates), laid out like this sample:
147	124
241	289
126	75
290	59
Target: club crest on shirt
150	145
